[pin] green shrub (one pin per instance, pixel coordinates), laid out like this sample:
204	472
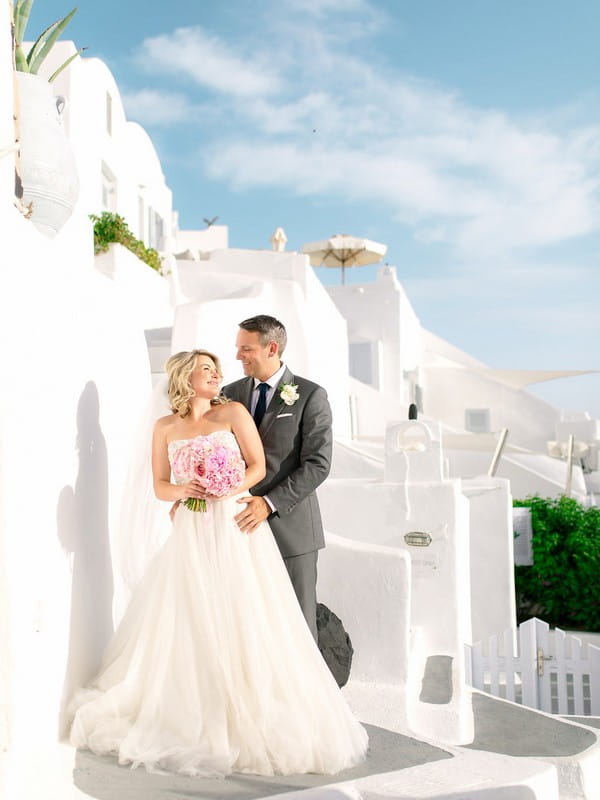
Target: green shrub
563	584
109	228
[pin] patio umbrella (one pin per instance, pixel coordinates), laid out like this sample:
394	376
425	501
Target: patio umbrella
344	251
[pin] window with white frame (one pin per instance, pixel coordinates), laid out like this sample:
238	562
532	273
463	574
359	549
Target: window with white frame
109	119
109	188
155	229
141	226
159	231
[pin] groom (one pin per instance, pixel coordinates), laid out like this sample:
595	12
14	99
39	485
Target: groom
293	418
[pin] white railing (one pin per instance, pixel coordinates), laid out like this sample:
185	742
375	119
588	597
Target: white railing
549	670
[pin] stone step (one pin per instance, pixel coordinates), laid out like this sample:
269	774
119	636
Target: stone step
467	776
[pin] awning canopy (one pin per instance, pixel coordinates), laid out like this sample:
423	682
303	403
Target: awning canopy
519	378
516	378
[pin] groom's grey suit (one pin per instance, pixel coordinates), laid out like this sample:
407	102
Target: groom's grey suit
297	440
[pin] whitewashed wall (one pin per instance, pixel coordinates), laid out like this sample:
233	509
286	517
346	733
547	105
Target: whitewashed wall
75	370
586	430
126	151
454	381
380	513
7	179
491	554
214	237
65	442
372	409
383	322
528	473
448	392
404	355
368	586
145	293
235	284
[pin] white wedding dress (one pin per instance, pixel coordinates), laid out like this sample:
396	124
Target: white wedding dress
213	669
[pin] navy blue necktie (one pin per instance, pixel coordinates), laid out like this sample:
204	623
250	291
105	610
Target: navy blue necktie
261	405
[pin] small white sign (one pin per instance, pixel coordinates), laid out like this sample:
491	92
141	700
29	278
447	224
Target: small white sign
523	532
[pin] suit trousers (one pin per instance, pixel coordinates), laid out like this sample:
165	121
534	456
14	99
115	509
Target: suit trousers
302	570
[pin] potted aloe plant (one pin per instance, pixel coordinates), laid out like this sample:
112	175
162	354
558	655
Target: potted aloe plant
47	171
34	59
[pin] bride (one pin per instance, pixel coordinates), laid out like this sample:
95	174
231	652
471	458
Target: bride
213	669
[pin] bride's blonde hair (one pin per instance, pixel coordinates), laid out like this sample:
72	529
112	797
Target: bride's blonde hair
179	370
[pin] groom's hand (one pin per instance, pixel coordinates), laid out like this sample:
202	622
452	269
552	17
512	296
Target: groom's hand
256	511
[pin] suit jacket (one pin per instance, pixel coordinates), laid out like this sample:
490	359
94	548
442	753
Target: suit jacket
297	440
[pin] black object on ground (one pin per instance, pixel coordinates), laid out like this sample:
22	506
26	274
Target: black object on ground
334	644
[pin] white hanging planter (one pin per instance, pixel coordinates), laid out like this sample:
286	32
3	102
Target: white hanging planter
48	170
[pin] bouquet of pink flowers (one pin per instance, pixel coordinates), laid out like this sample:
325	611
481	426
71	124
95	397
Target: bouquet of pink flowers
216	467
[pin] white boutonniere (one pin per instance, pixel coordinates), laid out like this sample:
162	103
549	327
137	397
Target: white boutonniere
289	393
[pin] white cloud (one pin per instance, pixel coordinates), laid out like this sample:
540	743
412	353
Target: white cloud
210	62
521	283
293	117
319	8
473	179
300	113
152	107
317	25
302	100
582	317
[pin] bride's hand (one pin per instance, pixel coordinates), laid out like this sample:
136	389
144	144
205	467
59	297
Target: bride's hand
173	509
193	489
190	489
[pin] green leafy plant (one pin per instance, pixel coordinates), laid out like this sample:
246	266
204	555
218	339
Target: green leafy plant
110	227
563	584
43	44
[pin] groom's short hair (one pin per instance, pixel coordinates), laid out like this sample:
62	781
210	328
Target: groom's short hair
268	328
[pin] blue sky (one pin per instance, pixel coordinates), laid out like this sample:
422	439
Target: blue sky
462	133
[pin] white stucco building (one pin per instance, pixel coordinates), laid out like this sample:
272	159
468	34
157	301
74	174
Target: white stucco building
119	169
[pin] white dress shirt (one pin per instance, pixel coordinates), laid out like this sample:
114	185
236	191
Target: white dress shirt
273	382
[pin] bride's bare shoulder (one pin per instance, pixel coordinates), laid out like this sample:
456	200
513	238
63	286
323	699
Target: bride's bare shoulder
229	410
163	424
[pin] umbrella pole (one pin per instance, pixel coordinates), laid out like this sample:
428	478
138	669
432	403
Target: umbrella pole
343	274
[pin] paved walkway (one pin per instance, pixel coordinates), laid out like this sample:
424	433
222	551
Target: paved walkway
514	730
104	779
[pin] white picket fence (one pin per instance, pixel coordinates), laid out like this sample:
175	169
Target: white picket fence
548	670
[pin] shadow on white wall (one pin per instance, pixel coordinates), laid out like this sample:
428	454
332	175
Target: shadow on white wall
82	527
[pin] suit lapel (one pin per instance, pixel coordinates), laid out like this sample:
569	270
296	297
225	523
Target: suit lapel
275	405
246	393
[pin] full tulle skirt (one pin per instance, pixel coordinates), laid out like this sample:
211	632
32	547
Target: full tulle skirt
213	669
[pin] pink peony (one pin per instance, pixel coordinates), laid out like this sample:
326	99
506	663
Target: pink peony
215	466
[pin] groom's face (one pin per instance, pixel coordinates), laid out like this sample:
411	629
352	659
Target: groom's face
258	360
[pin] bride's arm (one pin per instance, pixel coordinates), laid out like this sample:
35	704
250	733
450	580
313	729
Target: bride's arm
161	470
244	430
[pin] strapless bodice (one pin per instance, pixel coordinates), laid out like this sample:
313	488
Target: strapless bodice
224	438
